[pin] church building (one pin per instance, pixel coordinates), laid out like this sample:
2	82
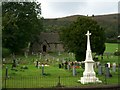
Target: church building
48	42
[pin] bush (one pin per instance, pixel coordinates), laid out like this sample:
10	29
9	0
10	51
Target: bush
117	53
5	52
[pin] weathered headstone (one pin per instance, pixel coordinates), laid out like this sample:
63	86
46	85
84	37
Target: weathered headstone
26	54
32	53
42	69
60	65
38	65
66	63
101	57
100	69
3	61
119	67
57	60
72	64
74	70
114	67
107	72
98	63
6	73
14	63
68	66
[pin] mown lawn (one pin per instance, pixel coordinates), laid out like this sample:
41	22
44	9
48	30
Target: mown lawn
33	78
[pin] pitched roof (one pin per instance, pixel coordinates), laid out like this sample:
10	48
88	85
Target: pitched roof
49	37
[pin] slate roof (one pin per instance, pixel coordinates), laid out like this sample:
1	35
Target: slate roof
49	37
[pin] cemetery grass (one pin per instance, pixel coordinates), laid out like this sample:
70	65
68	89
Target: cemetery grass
111	47
33	78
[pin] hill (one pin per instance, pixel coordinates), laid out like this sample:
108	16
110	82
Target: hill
109	22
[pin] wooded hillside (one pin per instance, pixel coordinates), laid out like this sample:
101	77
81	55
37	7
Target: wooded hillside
109	22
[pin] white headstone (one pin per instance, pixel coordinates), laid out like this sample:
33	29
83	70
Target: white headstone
114	67
108	64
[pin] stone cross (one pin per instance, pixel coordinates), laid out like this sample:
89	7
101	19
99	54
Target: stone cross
89	74
88	52
88	41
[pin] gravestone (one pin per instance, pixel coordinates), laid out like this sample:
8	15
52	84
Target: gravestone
26	54
97	63
101	57
57	60
107	71
60	65
100	69
114	67
36	63
32	53
68	66
42	69
72	64
119	67
74	70
3	61
6	72
66	63
89	75
108	64
14	63
40	56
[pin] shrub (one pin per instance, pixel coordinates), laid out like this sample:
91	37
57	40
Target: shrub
117	53
5	52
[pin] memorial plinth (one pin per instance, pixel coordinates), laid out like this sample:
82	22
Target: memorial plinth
89	75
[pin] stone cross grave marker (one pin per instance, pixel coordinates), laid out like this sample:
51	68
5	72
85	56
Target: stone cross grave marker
89	75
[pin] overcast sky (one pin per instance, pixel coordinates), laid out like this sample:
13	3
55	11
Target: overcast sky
62	8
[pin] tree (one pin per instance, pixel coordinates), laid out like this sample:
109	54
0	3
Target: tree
21	24
74	38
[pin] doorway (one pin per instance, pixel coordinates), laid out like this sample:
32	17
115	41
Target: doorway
44	48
